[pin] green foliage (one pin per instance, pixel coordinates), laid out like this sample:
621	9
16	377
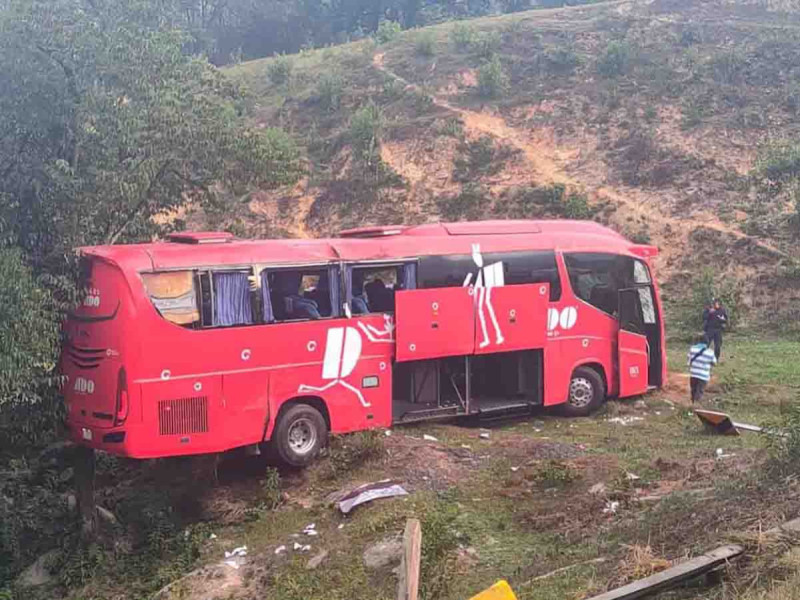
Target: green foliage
705	285
452	128
387	31
778	164
463	36
551	201
561	60
614	60
126	125
492	79
365	134
486	44
469	205
480	158
439	542
555	473
271	489
425	43
279	70
352	451
785	449
329	91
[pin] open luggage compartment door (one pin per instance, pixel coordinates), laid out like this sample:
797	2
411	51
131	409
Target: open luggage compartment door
632	347
511	317
434	323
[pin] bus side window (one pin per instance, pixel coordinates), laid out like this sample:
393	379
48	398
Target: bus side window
596	277
372	289
300	294
173	295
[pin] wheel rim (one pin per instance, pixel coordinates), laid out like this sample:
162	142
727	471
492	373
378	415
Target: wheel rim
581	392
302	436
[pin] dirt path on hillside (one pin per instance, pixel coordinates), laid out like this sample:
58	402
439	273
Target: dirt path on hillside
547	162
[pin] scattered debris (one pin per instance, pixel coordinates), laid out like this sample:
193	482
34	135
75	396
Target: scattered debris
213	536
387	433
515	469
317	560
632	477
597	489
297	546
384	553
232	563
611	507
484	435
240	551
280	549
640	404
429	438
625	420
368	492
674	575
305	548
341	526
722	423
466	446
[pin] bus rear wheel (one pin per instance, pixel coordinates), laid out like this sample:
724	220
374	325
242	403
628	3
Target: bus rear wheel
586	393
300	435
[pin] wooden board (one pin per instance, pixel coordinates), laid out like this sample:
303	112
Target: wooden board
674	575
408	586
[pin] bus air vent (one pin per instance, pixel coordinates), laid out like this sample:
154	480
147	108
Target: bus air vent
201	237
183	415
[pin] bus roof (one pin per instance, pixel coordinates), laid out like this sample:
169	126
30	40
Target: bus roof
198	249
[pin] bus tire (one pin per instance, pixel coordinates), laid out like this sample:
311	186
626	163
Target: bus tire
299	436
586	393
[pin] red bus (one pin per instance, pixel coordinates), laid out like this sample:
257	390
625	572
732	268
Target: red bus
204	343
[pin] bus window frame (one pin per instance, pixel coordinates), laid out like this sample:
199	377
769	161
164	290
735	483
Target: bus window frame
376	264
337	311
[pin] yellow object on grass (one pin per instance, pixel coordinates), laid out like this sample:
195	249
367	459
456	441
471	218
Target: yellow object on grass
499	591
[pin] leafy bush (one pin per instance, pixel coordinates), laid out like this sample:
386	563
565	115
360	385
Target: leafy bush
614	61
453	128
561	60
387	31
480	158
28	353
555	474
365	132
492	79
468	205
785	449
279	69
425	44
486	44
329	91
463	36
779	164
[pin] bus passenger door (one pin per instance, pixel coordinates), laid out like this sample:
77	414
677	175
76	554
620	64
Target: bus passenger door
633	352
434	323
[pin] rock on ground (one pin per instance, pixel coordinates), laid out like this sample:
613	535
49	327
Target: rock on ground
383	554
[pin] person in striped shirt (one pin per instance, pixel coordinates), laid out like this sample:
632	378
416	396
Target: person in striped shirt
701	358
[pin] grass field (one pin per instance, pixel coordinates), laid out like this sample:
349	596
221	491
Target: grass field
516	506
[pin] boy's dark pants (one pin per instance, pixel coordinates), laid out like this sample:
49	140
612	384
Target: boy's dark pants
698	387
715	337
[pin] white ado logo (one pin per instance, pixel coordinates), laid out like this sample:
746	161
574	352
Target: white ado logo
566	318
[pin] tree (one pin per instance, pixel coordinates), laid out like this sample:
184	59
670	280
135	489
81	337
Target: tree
105	123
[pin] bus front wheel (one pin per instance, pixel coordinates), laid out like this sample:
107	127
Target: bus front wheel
300	435
586	393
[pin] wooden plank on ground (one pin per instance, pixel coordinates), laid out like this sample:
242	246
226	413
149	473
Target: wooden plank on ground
674	575
408	586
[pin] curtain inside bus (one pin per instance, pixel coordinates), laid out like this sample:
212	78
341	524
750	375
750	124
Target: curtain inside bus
266	299
174	296
232	299
409	276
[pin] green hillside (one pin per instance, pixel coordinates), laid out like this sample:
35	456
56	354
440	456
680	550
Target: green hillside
673	121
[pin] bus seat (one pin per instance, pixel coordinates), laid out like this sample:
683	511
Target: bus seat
359	306
301	308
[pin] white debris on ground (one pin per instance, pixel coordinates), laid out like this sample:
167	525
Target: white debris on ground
311	529
611	507
429	438
721	454
387	433
632	477
280	549
341	526
240	551
625	420
236	557
367	493
484	435
213	536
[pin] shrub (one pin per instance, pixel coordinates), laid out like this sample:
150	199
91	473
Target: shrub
614	61
561	61
439	543
492	79
425	44
577	206
271	489
279	69
387	31
480	158
463	36
779	164
555	474
486	44
329	91
785	449
468	205
351	451
453	128
365	131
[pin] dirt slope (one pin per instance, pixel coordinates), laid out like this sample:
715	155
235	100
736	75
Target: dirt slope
649	116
